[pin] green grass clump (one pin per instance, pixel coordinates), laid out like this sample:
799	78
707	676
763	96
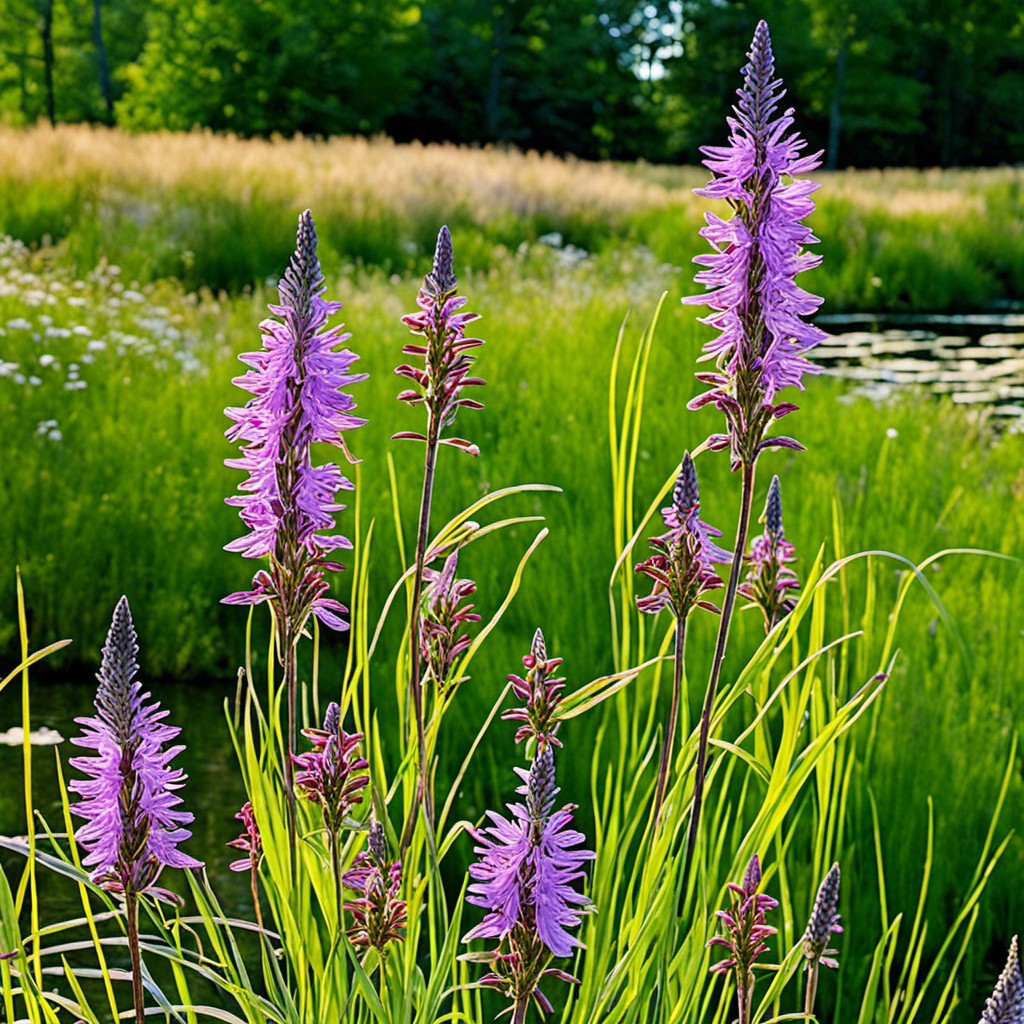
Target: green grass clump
118	486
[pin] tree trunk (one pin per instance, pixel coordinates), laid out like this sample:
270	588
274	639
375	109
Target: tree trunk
46	34
835	110
492	107
102	64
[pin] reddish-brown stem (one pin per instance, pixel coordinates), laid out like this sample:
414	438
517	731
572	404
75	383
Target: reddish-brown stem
746	501
254	887
812	989
673	719
131	906
745	999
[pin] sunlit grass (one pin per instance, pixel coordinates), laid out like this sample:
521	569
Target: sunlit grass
207	209
112	390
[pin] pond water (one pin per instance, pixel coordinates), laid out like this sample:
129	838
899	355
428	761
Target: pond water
977	359
213	791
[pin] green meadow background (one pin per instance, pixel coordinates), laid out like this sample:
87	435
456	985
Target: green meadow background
136	269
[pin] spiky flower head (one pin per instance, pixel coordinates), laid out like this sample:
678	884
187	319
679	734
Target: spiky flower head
824	922
442	619
541	693
682	567
1006	1004
249	841
528	864
745	924
770	583
378	914
329	773
133	824
773	510
756	306
441	282
287	503
445	349
524	879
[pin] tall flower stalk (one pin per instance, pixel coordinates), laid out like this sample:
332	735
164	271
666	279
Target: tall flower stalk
524	880
439	384
682	569
330	776
770	583
746	930
288	503
823	924
133	821
529	862
756	306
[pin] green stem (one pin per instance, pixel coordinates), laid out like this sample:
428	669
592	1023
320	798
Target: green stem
336	871
673	719
746	501
288	665
131	905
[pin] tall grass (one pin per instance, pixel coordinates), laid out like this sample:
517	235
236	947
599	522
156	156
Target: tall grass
111	394
205	209
130	498
786	782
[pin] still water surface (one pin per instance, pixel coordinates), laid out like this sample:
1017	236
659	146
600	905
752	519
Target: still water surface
213	791
977	359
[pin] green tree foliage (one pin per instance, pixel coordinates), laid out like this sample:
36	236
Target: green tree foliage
261	66
876	82
545	74
52	54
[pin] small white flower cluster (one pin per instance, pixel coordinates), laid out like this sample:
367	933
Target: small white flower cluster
122	323
49	429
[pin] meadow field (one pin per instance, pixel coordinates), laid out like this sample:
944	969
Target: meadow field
134	271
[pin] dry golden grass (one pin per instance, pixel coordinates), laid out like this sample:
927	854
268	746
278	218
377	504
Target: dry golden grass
365	173
210	210
379	171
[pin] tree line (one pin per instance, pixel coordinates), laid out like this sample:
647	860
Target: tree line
876	82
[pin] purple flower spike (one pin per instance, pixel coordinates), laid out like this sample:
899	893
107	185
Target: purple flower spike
542	694
328	773
824	922
133	824
525	879
442	616
288	504
250	842
378	914
683	566
756	306
746	931
439	383
1006	1004
770	582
